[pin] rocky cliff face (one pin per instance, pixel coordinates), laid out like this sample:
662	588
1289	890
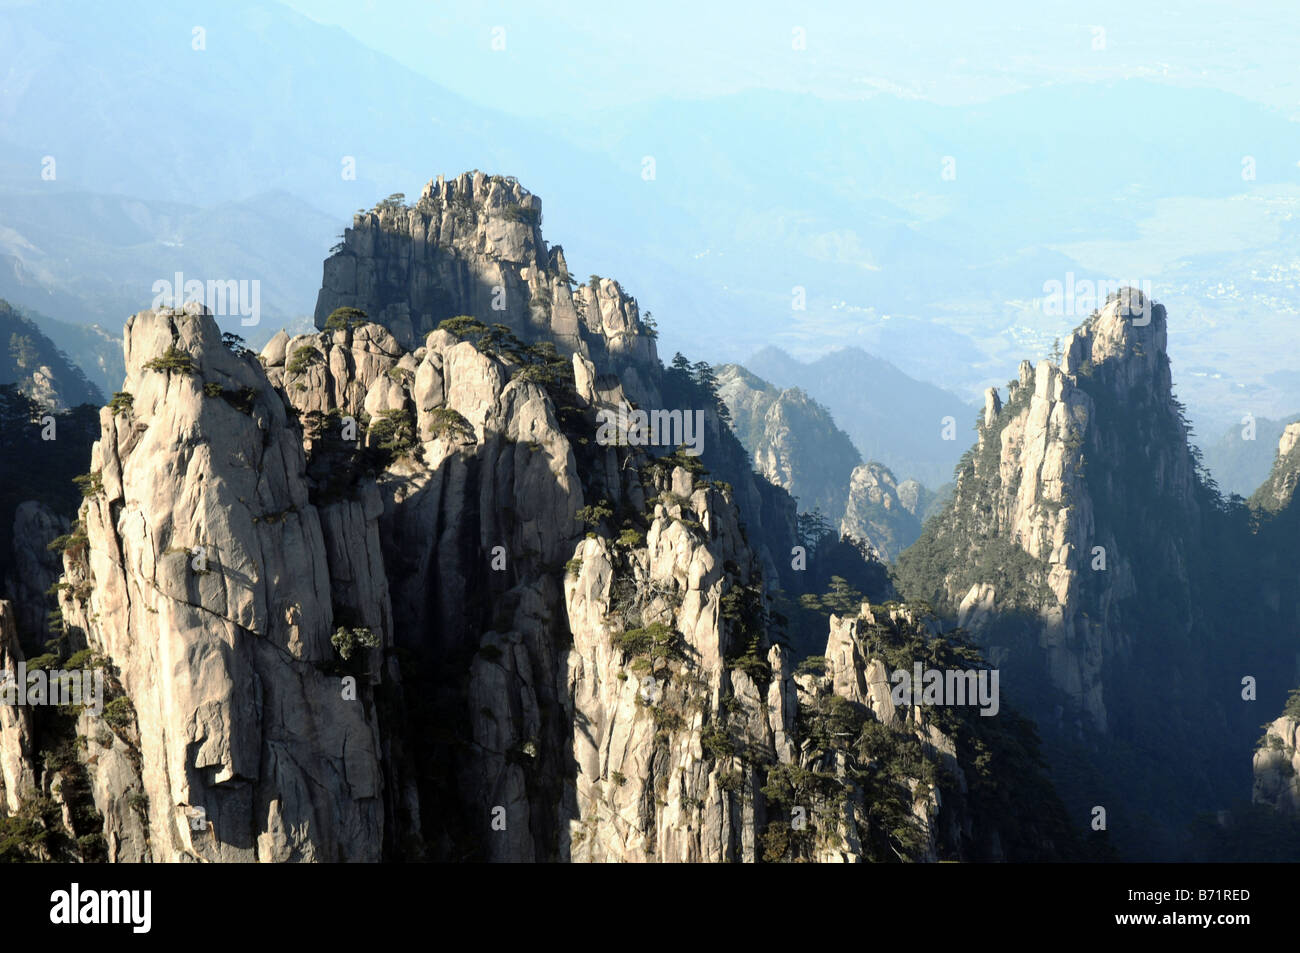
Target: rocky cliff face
1030	492
473	245
884	514
1086	554
1277	765
380	593
278	600
1278	491
1276	762
791	439
35	568
17	735
204	580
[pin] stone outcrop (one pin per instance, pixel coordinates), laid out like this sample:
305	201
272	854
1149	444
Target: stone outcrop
1278	491
1085	550
380	593
791	440
473	245
17	743
1026	494
881	512
35	568
1277	767
615	694
206	583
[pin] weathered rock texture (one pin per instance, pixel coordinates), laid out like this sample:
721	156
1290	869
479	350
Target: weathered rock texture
35	568
473	245
535	691
791	439
379	593
17	772
209	589
1277	767
1025	498
1095	564
882	513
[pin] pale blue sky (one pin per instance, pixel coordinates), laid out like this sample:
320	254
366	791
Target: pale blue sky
570	57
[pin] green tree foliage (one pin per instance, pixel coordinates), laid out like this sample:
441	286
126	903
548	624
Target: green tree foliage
350	641
449	424
32	468
813	527
234	343
594	514
698	382
302	360
393	434
517	213
119	714
172	361
342	319
841	599
1292	709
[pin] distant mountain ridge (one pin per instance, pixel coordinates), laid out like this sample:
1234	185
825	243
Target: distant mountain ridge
795	443
1242	457
937	274
96	352
84	257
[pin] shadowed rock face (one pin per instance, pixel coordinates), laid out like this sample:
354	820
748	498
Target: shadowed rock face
17	773
527	690
1123	597
210	591
1025	489
791	439
379	593
473	246
35	567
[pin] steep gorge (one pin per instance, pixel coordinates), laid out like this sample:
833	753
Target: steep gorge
378	593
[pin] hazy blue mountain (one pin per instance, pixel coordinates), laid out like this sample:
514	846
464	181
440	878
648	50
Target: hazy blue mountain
286	102
94	258
752	195
791	439
96	352
847	200
889	416
1239	465
37	367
